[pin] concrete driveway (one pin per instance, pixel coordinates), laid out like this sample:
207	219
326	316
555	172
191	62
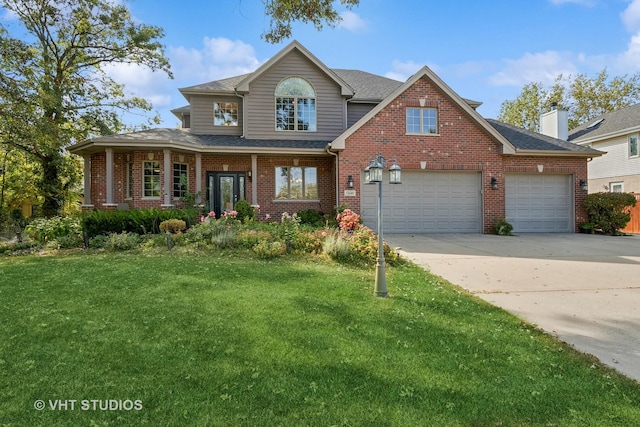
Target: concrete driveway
584	289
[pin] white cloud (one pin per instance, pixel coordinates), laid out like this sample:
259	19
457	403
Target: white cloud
352	22
141	82
631	16
401	71
218	58
535	67
582	2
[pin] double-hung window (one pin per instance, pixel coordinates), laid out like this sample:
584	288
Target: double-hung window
151	179
225	114
296	183
295	105
180	180
633	145
422	120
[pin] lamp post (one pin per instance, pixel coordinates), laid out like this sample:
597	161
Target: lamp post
373	175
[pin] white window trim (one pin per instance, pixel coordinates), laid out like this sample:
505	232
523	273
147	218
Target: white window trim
144	197
225	124
128	180
173	170
422	109
629	146
616	183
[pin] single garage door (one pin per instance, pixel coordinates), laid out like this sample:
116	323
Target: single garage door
426	202
539	203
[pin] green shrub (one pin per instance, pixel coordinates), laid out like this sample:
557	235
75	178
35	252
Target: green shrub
139	221
69	241
338	247
310	242
45	230
224	238
503	228
268	250
98	242
249	238
172	225
310	217
122	241
609	212
246	212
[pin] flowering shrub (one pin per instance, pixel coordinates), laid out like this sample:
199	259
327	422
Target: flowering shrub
290	227
211	216
359	247
348	220
267	250
249	238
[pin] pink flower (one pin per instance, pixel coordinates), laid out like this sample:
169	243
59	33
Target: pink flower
267	216
212	214
324	234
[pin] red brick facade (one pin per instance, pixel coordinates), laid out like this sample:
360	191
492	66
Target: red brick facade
461	144
264	177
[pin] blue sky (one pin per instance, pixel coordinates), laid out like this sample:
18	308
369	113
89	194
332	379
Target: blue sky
484	50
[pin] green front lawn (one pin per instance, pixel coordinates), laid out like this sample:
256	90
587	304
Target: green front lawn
214	339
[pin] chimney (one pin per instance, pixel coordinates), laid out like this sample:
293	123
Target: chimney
555	123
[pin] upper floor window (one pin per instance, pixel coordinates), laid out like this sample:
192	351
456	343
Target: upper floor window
422	120
225	114
633	145
297	183
295	105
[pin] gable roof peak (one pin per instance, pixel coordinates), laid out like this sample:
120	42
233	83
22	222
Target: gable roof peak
243	86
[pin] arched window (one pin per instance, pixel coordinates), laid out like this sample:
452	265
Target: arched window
295	105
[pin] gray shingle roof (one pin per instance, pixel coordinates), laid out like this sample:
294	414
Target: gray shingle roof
617	121
523	139
182	136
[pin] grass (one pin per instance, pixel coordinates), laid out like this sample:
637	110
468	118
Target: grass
221	340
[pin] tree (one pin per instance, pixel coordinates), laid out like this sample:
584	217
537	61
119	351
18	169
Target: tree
583	97
284	12
53	86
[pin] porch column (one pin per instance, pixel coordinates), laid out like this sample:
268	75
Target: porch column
87	181
198	178
109	178
167	179
254	179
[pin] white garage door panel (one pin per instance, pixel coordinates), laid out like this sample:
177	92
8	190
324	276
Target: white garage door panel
426	202
539	203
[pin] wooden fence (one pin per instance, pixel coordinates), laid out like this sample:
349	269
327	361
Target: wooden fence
634	225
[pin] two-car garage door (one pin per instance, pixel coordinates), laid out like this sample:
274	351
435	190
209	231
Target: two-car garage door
451	202
426	202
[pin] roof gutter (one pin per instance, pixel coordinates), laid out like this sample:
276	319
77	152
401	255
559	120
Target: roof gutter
554	153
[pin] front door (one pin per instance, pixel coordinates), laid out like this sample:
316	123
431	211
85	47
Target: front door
224	189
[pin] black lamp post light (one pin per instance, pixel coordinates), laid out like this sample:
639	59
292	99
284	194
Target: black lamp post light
373	175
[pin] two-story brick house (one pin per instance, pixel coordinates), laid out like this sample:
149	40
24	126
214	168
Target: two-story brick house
295	134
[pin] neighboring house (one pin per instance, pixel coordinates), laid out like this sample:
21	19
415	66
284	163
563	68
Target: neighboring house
616	134
295	134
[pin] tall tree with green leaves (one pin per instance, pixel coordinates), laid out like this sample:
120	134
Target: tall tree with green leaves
284	12
53	86
582	96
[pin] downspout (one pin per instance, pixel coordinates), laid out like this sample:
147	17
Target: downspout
328	150
244	114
